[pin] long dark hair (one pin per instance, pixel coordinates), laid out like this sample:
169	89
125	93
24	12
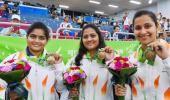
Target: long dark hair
82	49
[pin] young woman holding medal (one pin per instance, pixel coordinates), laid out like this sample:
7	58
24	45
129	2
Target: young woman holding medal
152	80
91	57
45	77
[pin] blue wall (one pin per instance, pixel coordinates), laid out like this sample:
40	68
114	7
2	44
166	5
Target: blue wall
31	10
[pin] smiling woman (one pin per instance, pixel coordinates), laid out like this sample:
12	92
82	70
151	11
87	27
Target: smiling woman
44	81
151	82
91	57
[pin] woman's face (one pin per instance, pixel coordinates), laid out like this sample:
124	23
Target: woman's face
145	29
90	39
36	40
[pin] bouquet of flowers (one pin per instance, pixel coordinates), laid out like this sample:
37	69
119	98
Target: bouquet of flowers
13	72
122	69
73	78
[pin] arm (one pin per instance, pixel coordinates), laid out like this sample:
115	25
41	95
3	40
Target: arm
60	87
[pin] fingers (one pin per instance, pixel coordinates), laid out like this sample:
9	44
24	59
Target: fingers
57	57
108	49
120	90
156	45
73	92
13	95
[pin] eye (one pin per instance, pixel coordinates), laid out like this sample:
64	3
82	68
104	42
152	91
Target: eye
147	26
42	37
93	35
85	36
32	36
137	27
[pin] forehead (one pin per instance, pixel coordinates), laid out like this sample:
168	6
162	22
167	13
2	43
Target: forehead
66	17
89	31
15	19
38	32
143	19
116	27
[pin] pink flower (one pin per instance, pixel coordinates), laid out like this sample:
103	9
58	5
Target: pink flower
66	75
27	67
5	68
112	66
69	80
118	66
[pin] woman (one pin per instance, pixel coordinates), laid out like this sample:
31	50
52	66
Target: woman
152	80
43	77
97	85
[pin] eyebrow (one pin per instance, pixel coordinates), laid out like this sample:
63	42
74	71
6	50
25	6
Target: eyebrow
38	35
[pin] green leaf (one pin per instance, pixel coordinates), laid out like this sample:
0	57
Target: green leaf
113	72
126	72
13	76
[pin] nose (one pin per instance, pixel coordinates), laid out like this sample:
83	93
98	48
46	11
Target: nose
89	38
37	39
143	30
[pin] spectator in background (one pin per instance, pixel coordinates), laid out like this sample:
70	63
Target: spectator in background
116	29
159	16
131	36
58	11
131	28
52	8
54	15
168	36
80	20
120	36
113	35
162	23
162	36
167	25
126	23
65	27
82	25
53	11
15	9
14	30
5	10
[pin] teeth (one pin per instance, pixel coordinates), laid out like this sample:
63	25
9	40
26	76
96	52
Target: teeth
143	35
35	45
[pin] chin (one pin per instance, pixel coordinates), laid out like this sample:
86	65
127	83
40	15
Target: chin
146	42
90	49
36	49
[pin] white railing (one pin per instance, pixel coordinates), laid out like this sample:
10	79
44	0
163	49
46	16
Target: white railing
15	24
